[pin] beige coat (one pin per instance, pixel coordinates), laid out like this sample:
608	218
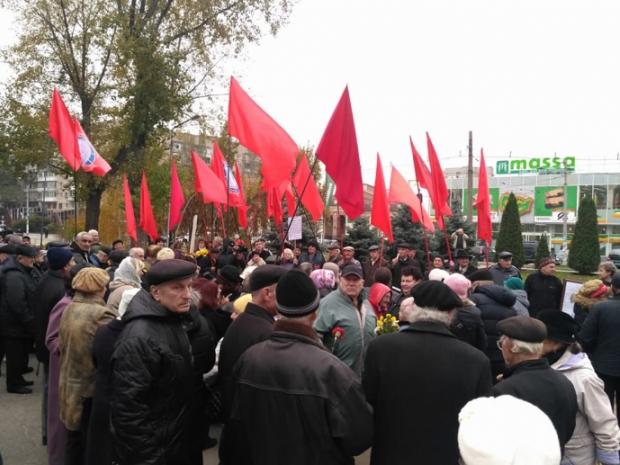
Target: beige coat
116	293
596	430
78	325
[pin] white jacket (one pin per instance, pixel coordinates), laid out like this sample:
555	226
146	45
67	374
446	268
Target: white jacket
596	435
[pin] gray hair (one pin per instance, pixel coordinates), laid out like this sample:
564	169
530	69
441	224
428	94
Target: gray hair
429	314
609	267
81	234
522	347
133	250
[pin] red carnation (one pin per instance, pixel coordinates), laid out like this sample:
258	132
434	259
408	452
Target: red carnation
337	332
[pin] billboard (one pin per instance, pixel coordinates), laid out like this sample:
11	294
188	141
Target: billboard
552	203
493	192
538	165
525	200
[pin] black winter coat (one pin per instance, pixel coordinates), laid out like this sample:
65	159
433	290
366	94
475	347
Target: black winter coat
18	299
600	336
468	327
49	291
295	403
537	383
495	303
437	375
151	386
400	265
544	292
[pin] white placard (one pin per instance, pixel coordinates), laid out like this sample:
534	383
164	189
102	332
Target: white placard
294	228
570	288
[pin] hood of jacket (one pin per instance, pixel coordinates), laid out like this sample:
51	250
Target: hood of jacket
144	306
377	292
499	294
521	296
569	361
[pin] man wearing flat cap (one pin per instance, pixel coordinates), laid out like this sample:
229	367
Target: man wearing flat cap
405	258
374	262
529	377
504	269
544	288
348	257
295	402
152	377
419	379
343	309
17	285
333	253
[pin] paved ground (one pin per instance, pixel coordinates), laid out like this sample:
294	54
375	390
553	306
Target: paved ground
20	427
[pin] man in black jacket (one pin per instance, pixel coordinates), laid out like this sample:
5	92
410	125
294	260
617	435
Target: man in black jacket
295	402
544	289
17	316
405	258
599	336
151	371
81	247
437	375
529	377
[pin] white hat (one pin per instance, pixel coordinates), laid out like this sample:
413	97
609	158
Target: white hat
437	274
506	431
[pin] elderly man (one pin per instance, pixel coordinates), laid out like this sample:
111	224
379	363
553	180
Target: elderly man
504	268
436	373
313	256
374	262
81	247
343	322
95	235
544	289
348	253
290	385
405	258
463	264
333	253
100	257
151	370
259	247
529	377
137	252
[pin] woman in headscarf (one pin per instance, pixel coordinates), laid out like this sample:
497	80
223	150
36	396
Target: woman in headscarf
380	299
127	276
324	280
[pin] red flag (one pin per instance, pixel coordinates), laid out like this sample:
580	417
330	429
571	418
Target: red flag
206	182
401	192
222	170
257	131
60	129
422	173
130	218
242	209
91	161
483	204
441	195
304	182
338	151
380	213
177	199
147	219
274	204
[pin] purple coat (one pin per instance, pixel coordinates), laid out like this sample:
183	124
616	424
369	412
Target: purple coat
56	432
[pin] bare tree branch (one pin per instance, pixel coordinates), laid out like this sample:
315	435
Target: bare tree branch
203	23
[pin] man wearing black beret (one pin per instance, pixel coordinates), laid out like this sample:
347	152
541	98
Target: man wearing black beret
254	325
151	370
529	377
419	379
295	402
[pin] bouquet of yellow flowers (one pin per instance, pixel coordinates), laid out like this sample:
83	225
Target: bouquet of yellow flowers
201	253
386	324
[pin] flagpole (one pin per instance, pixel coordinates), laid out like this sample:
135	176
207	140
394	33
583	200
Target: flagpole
288	226
191	197
425	233
75	202
445	235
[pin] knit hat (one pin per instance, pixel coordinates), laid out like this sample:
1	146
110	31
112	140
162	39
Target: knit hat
90	280
459	284
505	430
58	257
481	275
561	326
436	295
514	283
296	294
437	274
544	262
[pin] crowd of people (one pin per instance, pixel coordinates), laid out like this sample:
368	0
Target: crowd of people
308	356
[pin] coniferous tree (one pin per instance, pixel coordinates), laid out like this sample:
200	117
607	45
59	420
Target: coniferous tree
542	251
510	238
584	253
361	236
405	230
453	222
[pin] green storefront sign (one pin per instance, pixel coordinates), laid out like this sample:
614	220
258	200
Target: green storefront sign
493	191
535	165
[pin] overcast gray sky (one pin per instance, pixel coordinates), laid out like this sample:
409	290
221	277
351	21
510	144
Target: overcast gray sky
529	77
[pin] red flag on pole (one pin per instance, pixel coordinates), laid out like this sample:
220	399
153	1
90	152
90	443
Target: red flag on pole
440	189
338	151
307	190
206	182
274	204
130	217
177	199
422	173
147	219
61	130
242	209
223	171
401	192
483	204
380	213
91	161
257	131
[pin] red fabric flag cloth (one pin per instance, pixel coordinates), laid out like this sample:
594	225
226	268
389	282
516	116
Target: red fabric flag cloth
130	217
147	219
311	198
422	173
91	161
206	182
483	204
257	131
441	194
61	130
338	151
242	209
222	170
401	192
177	198
380	213
274	204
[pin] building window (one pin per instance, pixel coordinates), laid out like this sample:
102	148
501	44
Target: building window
600	197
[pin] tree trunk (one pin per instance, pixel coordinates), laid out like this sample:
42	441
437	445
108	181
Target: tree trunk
93	205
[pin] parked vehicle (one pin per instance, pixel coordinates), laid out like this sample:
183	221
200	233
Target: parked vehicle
529	251
614	256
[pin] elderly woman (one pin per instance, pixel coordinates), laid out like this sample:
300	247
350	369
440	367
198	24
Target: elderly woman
467	325
380	299
76	385
605	272
590	293
128	275
288	259
324	280
596	438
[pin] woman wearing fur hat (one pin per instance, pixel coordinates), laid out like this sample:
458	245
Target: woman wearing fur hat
590	293
596	437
